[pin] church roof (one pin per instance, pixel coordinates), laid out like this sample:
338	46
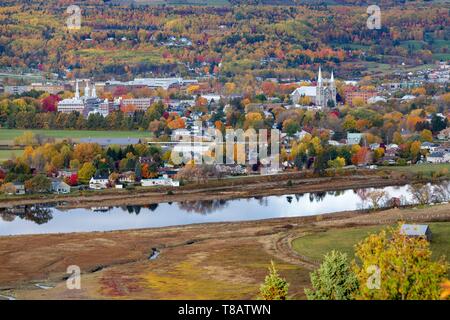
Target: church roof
307	91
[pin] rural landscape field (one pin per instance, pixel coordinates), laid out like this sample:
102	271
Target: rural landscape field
243	150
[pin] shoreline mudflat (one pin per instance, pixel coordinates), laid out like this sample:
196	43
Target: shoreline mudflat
203	261
224	190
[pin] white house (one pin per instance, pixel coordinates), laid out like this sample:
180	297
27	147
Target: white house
161	181
438	157
376	99
431	147
98	182
353	138
60	187
444	134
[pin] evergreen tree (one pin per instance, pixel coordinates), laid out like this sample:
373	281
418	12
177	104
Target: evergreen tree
333	280
274	287
138	171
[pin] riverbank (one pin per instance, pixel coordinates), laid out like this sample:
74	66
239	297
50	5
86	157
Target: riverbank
224	189
209	261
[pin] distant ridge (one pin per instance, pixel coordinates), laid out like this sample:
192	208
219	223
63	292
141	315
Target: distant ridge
267	2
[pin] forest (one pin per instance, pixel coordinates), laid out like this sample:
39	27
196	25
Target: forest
226	42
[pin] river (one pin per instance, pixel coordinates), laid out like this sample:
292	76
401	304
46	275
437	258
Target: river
41	219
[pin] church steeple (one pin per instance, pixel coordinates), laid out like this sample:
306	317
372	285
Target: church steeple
77	90
319	78
332	77
86	90
94	91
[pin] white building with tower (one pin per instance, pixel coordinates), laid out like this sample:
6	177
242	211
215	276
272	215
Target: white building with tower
85	104
323	95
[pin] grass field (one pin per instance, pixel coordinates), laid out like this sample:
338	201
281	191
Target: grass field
7	135
7	154
317	244
426	168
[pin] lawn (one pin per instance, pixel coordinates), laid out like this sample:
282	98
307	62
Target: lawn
7	154
7	135
317	244
425	168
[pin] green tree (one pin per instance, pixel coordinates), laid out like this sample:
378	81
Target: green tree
406	270
274	287
334	279
38	184
138	171
86	172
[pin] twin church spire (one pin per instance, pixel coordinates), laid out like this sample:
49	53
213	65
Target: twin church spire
325	91
87	91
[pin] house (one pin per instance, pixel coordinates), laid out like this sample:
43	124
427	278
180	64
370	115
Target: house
127	177
444	134
374	146
161	181
60	187
431	147
438	157
376	99
19	188
353	138
407	97
99	182
416	231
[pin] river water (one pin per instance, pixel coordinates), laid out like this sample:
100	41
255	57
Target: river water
39	219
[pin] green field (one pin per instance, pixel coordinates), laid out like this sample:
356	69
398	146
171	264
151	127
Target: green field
7	135
317	244
426	168
8	154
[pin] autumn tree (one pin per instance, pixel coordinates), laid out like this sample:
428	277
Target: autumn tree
38	184
86	172
393	266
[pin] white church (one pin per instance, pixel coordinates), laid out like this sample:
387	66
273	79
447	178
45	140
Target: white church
321	95
85	104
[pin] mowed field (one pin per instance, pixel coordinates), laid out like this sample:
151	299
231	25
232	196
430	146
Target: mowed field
317	244
7	136
8	154
426	168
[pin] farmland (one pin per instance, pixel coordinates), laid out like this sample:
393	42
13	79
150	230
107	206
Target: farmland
8	154
427	169
7	136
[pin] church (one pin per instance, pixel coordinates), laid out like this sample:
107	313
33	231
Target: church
323	95
84	105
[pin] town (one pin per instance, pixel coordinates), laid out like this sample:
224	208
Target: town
225	150
325	123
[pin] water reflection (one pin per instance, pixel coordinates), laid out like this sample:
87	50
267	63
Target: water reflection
50	219
39	214
202	207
